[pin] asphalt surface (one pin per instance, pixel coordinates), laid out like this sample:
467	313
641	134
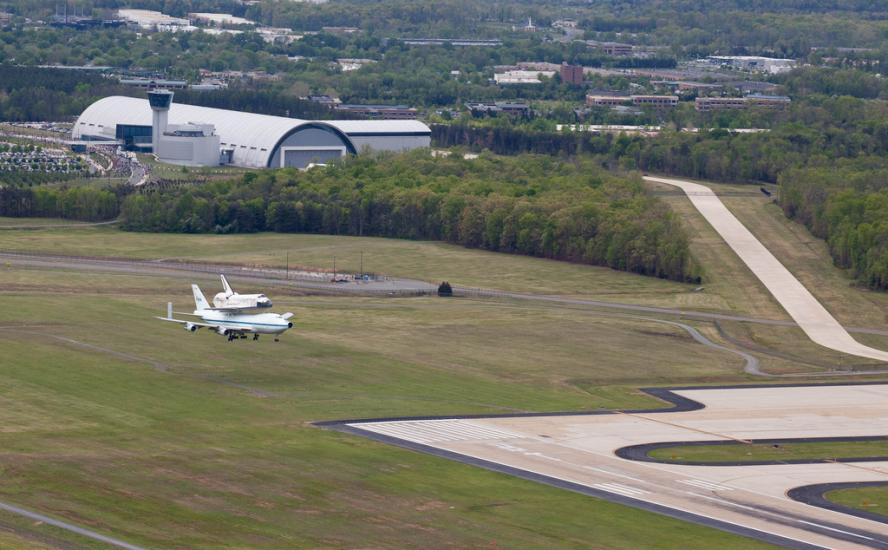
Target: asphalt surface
577	452
820	326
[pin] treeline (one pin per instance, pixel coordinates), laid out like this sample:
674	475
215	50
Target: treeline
818	130
846	204
33	93
74	203
533	205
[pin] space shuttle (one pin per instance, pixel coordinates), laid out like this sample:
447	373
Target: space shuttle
229	300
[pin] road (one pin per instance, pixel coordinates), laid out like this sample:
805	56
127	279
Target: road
576	451
820	326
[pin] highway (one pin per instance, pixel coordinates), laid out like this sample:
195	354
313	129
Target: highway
577	452
810	315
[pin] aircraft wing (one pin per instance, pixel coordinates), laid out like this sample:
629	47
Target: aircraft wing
181	322
213	326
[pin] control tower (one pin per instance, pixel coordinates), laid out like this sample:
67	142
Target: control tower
160	101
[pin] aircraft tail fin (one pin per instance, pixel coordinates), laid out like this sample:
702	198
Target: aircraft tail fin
228	290
199	301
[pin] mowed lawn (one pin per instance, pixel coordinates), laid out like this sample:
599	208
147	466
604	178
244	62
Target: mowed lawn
745	452
426	260
870	499
137	429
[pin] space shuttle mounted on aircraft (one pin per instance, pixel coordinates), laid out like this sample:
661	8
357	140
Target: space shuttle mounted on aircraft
229	300
229	321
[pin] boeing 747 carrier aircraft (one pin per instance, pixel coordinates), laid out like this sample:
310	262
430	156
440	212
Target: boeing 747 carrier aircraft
228	322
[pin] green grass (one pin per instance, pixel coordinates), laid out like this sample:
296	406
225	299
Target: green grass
138	429
869	499
790	451
29	222
432	261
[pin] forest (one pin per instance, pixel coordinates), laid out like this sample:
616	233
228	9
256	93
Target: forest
75	203
846	204
530	204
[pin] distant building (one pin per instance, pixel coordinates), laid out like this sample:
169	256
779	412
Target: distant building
564	24
5	19
647	131
219	19
353	64
609	100
451	41
538	66
688	86
611	48
325	100
275	35
754	63
753	87
493	108
521	77
152	83
378	112
572	74
340	30
242	139
528	27
153	20
659	101
755	100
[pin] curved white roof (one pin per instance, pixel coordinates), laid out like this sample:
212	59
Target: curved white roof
380	127
253	137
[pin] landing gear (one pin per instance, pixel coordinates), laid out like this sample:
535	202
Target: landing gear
231	336
255	337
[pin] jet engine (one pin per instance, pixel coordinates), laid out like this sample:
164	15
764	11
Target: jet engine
191	327
222	331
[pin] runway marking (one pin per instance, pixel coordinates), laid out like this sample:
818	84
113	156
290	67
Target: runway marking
708	485
433	431
608	472
766	512
834	529
624	490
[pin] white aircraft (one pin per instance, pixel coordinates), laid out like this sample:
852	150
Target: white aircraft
231	324
231	300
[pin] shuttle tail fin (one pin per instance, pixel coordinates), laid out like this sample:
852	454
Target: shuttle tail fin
199	301
228	290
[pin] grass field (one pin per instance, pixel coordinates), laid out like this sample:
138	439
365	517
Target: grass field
135	428
143	431
870	499
739	452
432	261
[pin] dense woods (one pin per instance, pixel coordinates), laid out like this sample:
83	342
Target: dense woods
533	205
75	203
817	130
846	204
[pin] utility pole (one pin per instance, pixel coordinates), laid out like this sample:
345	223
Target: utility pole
288	265
334	268
362	265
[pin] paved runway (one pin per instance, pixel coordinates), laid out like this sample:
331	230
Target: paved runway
820	326
577	452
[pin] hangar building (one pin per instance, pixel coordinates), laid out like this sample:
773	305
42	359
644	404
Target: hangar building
245	139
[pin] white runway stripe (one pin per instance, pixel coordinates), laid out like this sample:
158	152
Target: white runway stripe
620	489
431	431
708	485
